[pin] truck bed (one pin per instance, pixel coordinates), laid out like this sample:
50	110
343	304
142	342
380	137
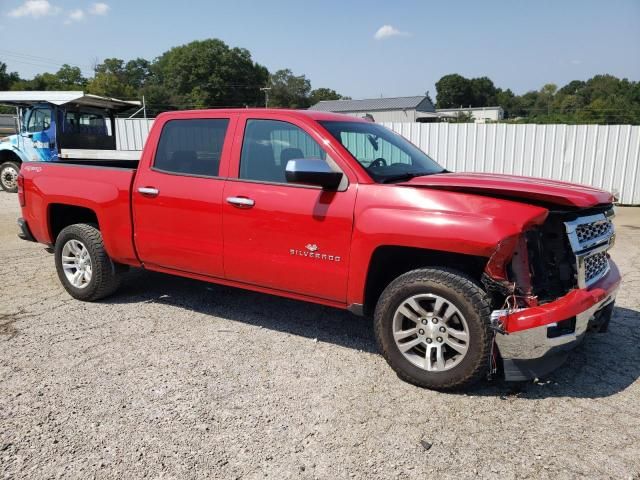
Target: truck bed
103	189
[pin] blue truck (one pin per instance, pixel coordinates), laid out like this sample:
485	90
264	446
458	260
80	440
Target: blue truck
60	126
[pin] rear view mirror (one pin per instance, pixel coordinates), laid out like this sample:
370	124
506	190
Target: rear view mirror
313	171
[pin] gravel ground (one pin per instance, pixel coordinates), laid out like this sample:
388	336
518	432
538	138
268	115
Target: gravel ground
173	378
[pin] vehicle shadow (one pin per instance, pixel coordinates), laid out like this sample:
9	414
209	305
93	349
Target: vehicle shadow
601	366
294	317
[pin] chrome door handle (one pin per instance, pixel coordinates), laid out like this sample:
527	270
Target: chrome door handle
241	202
149	191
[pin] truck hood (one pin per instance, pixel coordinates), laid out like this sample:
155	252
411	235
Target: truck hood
9	140
515	187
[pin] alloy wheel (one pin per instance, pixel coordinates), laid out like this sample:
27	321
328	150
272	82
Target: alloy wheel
76	263
431	332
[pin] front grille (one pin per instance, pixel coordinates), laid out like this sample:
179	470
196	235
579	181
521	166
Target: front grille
593	232
590	238
568	251
595	266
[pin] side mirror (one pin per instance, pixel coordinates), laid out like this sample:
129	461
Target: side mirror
313	171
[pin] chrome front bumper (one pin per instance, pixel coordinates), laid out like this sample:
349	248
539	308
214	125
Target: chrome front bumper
537	351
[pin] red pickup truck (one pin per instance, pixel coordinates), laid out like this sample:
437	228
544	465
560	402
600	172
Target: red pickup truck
463	274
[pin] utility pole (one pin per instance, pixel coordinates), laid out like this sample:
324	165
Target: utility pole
266	96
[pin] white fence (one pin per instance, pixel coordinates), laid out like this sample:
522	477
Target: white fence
131	133
604	156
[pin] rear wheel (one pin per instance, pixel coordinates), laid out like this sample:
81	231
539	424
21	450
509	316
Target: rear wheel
432	326
9	176
84	267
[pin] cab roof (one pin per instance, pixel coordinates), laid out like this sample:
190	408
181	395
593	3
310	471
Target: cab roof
28	98
313	114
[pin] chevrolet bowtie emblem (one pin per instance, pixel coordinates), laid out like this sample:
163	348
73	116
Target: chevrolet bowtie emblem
312	247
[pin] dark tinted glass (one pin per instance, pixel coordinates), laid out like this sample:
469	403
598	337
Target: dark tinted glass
191	147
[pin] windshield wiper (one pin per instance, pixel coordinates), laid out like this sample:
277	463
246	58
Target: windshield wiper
404	176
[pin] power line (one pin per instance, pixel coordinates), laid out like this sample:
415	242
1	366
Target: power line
42	59
38	64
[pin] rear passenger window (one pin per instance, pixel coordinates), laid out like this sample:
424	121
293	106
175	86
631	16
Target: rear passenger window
191	147
269	144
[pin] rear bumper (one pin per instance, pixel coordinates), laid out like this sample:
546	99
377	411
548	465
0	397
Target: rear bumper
540	338
25	233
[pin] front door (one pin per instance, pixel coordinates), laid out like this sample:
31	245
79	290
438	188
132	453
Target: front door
177	197
39	135
293	238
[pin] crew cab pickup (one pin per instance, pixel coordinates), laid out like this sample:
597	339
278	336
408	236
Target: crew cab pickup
464	274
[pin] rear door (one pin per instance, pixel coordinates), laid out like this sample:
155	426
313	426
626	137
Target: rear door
285	236
177	195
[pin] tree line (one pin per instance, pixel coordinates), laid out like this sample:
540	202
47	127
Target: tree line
200	74
209	74
603	99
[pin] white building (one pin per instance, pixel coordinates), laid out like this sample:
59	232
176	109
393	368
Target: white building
398	109
407	109
479	114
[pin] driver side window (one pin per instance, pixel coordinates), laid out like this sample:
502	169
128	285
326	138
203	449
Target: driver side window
39	120
269	144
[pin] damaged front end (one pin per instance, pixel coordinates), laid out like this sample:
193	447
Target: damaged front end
549	285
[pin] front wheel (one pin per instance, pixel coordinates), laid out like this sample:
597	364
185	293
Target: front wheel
432	327
84	267
9	176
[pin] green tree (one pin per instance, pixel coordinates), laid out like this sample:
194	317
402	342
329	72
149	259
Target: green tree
208	73
321	94
572	88
7	82
110	80
544	101
484	92
66	78
289	90
509	103
137	72
70	78
159	99
454	91
7	79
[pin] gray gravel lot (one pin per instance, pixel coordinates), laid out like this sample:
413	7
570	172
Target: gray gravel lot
173	378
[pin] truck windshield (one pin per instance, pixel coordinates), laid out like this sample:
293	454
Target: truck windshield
387	156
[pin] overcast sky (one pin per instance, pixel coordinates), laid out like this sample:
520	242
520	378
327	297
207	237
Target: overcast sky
361	48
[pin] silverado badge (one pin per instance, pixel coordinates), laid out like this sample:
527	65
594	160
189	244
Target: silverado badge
311	250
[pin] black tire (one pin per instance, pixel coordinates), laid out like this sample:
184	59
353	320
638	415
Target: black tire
462	292
105	275
7	180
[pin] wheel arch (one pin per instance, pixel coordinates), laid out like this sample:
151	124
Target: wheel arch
61	215
388	262
11	155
